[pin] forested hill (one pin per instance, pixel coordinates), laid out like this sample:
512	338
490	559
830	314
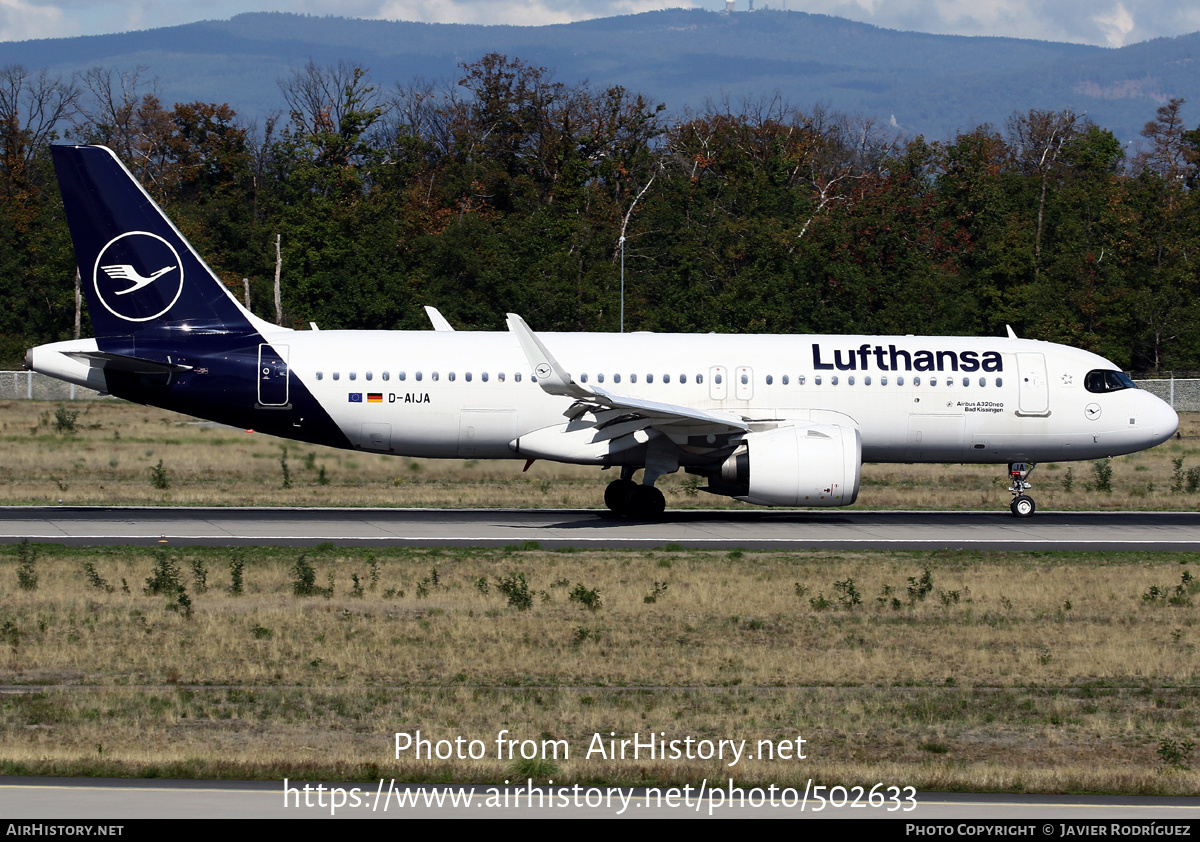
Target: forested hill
509	192
932	85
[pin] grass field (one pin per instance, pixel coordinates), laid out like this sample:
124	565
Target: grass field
110	452
977	671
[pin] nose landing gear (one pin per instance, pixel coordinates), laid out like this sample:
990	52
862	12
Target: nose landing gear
1022	504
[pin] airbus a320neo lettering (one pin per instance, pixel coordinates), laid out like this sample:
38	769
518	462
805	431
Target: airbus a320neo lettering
773	420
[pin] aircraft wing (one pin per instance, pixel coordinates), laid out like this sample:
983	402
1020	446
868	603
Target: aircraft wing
608	406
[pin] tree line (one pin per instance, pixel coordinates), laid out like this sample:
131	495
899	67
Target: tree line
505	190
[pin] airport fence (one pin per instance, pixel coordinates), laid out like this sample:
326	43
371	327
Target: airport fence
29	385
1181	393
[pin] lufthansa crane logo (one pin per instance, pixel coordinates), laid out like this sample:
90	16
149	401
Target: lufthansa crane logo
138	276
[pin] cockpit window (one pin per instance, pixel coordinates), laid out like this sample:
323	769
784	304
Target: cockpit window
1107	381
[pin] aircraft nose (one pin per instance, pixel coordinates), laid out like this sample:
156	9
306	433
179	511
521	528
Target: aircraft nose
1166	420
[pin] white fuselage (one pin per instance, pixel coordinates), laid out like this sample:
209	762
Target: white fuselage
472	394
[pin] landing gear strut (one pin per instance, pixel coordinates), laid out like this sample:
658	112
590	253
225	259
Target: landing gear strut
1022	504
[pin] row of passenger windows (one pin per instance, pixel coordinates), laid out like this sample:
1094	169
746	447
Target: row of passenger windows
883	380
418	376
785	380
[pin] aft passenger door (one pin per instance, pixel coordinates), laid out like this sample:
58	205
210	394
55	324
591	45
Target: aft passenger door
272	375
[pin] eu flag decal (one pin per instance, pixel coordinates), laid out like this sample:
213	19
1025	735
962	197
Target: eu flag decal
356	397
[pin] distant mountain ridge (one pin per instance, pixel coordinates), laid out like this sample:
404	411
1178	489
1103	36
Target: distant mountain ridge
928	84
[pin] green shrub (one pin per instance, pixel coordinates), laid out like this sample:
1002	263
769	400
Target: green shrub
589	598
516	589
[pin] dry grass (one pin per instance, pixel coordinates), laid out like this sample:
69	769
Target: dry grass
1041	672
108	461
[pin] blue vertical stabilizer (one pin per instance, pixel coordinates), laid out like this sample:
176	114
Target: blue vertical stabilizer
138	272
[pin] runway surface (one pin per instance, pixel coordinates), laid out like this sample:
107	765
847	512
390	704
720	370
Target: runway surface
584	528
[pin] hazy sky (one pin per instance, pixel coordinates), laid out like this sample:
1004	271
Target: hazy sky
1102	22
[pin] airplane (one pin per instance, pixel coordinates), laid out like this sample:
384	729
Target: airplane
775	420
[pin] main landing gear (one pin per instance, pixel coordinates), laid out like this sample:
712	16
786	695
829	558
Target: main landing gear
1022	504
640	502
627	498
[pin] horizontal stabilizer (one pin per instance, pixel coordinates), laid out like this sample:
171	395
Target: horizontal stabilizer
132	365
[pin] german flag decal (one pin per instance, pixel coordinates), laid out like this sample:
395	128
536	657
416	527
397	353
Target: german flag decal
374	397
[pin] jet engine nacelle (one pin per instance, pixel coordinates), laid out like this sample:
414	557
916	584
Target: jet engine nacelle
816	465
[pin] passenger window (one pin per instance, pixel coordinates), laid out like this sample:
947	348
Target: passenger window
434	377
633	378
745	380
718	380
867	380
816	380
402	377
599	378
467	376
385	376
500	376
883	380
337	375
932	381
699	378
353	375
982	381
770	380
850	380
966	381
666	378
785	380
368	375
916	381
649	378
899	381
320	376
484	377
449	377
999	382
583	378
517	377
419	376
800	380
833	381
